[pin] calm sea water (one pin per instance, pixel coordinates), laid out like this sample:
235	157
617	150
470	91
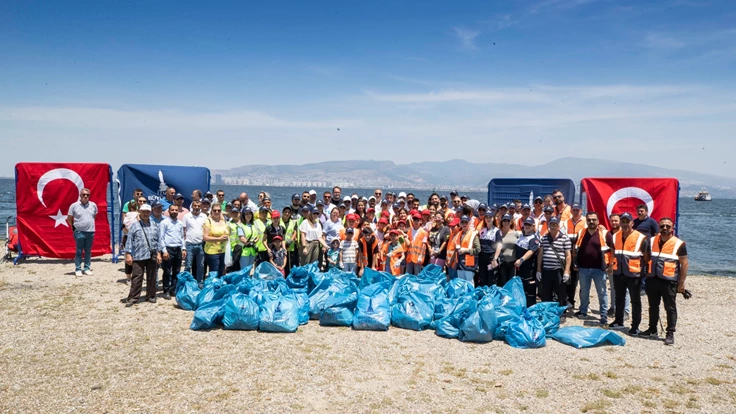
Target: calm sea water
707	227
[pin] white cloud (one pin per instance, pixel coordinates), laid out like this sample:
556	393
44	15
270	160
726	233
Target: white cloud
661	40
467	38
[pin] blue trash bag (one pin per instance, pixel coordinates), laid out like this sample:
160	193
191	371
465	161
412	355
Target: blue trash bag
449	326
241	313
224	292
525	332
207	294
444	307
372	312
413	310
346	296
480	324
236	277
212	276
456	288
278	286
315	276
506	308
267	271
407	284
548	314
303	301
581	337
332	292
187	290
318	296
371	276
298	279
208	315
515	288
279	314
337	316
245	285
433	272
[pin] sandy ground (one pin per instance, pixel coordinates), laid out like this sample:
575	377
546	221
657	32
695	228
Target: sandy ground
68	344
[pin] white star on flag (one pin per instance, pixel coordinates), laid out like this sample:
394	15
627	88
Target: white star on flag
60	219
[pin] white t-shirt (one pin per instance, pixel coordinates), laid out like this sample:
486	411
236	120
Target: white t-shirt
313	231
349	251
193	227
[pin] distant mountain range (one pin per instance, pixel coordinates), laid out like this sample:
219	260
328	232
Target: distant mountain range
462	174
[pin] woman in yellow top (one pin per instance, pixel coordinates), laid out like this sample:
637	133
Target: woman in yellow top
216	235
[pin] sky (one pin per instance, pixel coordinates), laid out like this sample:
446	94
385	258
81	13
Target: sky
230	84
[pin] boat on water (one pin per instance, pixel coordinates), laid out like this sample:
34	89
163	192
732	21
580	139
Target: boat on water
703	195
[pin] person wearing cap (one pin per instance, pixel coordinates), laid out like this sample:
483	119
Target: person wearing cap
348	203
209	196
206	205
526	212
321	213
593	258
277	253
157	213
273	229
437	238
382	227
248	237
416	245
371	202
385	207
169	197
393	253
348	251
236	239
332	257
259	231
296	206
443	203
312	240
543	223
226	211
490	240
511	207
526	253
216	235
142	253
179	202
631	251
427	221
482	209
666	278
573	226
291	238
193	224
171	246
312	197
368	249
509	237
370	217
467	247
538	208
554	262
351	222
237	205
267	204
451	258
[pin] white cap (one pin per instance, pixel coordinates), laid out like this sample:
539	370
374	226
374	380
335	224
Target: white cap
402	195
346	198
371	198
312	192
145	207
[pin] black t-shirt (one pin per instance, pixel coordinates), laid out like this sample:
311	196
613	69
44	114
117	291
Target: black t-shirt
273	231
647	227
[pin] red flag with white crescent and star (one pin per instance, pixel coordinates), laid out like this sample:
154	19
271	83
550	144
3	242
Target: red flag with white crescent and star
44	192
619	195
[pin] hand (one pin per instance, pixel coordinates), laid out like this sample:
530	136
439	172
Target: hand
158	258
128	259
565	278
539	276
224	237
681	288
304	250
494	264
166	255
183	254
517	264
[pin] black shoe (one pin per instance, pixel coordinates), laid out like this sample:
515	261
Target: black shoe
129	303
634	331
670	338
649	333
151	300
611	312
616	325
580	315
167	296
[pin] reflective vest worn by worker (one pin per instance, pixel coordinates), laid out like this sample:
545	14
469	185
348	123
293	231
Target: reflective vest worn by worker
665	263
250	237
416	248
365	247
451	257
467	261
605	250
395	260
259	229
234	238
575	227
628	254
290	229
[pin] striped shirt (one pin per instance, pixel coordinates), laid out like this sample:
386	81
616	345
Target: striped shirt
562	244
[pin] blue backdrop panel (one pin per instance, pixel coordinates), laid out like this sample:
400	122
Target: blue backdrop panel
155	179
503	190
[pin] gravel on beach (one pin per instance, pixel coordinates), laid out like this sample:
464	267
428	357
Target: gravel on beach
68	344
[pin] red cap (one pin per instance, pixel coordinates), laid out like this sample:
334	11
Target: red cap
416	215
396	232
401	222
413	212
455	222
275	214
426	212
383	220
351	217
385	214
371	209
277	238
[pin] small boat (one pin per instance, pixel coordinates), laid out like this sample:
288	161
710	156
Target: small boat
703	195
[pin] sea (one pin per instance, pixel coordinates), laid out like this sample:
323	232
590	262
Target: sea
707	227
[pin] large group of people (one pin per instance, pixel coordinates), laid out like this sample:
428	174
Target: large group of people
550	245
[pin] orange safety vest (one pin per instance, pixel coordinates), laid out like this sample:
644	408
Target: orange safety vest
574	228
565	214
415	251
450	258
363	253
628	254
467	260
665	261
543	228
607	254
395	259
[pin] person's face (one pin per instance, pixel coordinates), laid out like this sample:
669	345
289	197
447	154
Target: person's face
625	224
196	207
548	215
84	196
456	202
277	244
220	196
367	231
434	200
416	222
393	237
145	215
327	198
140	201
267	203
390	198
464	225
336	193
370	213
410	198
195	196
443	202
170	192
665	227
236	205
592	221
209	196
137	194
347	204
489	220
526	212
234	215
415	204
216	211
402	215
576	213
348	236
402	226
313	198
538	204
305	198
528	228
432	209
641	213
206	207
505	224
261	196
615	222
287	214
361	206
248	216
263	215
559	198
378	194
335	214
481	212
341	210
553	227
158	211
243	197
372	203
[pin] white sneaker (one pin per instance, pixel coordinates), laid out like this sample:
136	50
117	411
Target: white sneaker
78	273
88	273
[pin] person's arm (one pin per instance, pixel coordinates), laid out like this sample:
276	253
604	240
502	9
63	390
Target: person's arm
375	257
161	245
612	250
684	265
540	254
129	246
339	257
568	259
70	217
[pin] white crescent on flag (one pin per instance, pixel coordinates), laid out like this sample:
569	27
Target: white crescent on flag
629	192
58	174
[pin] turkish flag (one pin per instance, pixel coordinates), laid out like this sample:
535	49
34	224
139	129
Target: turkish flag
44	192
622	195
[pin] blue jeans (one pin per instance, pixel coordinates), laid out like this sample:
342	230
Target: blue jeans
246	261
597	276
216	263
84	246
349	267
468	275
195	254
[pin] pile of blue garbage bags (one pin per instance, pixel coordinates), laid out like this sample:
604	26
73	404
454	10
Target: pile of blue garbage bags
454	309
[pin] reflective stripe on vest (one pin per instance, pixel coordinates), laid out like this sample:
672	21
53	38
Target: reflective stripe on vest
450	254
607	254
234	239
573	230
628	253
665	261
415	253
467	260
259	229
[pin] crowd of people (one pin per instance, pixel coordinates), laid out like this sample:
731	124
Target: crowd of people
550	245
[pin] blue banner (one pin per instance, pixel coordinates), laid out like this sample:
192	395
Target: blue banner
503	190
154	180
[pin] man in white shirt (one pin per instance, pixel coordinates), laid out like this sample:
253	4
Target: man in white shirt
193	241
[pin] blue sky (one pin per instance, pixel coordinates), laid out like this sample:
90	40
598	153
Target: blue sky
641	81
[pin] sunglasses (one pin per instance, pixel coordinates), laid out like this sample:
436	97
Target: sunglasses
216	211
537	202
377	193
665	226
87	195
592	220
559	196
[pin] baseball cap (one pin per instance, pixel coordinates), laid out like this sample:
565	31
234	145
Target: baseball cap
503	206
287	208
482	206
464	218
511	205
385	214
347	198
320	203
312	192
296	196
335	241
554	220
208	193
426	212
275	214
350	217
246	209
463	197
402	195
383	220
549	209
393	232
526	207
401	222
397	205
263	208
354	197
401	201
349	230
206	201
314	210
576	206
455	222
443	197
626	216
306	208
538	198
453	193
178	196
277	238
506	217
266	199
363	198
416	216
494	207
156	204
529	220
370	209
145	207
371	198
489	213
384	201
